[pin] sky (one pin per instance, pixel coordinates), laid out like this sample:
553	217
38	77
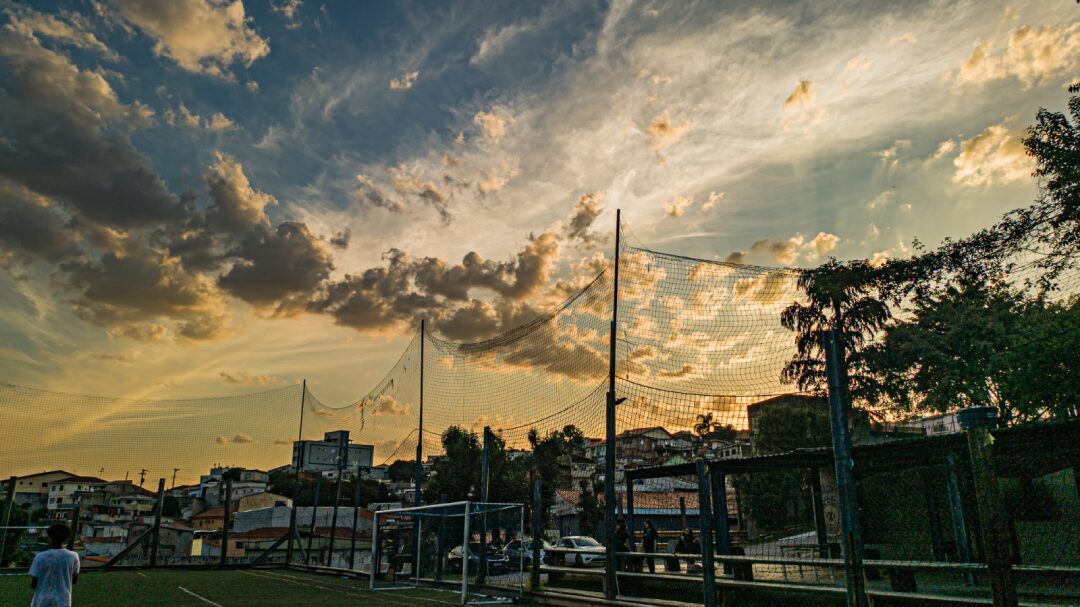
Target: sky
215	197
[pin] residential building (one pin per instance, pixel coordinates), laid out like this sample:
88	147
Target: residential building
209	520
325	455
261	500
62	492
32	490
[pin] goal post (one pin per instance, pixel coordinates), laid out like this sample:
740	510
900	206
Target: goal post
456	546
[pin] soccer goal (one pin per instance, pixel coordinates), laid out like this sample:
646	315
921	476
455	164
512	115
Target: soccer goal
458	547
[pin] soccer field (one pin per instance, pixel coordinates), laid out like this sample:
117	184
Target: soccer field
236	588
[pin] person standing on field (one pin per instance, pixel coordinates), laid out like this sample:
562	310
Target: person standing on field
54	571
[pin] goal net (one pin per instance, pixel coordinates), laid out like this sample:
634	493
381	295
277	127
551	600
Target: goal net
464	547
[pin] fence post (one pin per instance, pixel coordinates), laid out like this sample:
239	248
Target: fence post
682	513
440	542
481	571
721	514
956	512
465	558
374	551
705	522
226	522
850	527
9	506
993	522
157	522
356	516
821	533
537	537
314	513
630	510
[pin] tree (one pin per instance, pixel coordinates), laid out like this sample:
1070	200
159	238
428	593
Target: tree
456	474
13	553
981	343
402	471
707	427
842	296
547	462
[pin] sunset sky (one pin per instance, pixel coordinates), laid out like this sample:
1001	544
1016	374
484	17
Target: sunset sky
213	197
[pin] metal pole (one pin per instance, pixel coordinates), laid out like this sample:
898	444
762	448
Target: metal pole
521	554
481	573
630	511
374	552
226	522
611	585
420	427
342	464
956	512
537	537
439	542
721	514
819	512
157	522
993	522
850	528
356	516
705	523
314	513
682	513
465	559
420	534
9	506
299	457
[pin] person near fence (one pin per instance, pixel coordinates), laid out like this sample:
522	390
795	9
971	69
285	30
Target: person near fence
648	543
688	544
54	571
622	544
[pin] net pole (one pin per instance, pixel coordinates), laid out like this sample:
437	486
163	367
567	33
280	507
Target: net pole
314	513
521	554
9	506
465	559
538	531
298	453
420	425
610	589
342	465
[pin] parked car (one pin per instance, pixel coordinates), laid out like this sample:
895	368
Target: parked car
496	563
593	552
523	551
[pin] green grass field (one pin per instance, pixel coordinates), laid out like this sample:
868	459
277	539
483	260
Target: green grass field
238	588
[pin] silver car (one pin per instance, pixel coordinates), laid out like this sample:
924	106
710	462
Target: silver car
523	550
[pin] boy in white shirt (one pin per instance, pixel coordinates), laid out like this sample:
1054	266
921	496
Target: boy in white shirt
54	571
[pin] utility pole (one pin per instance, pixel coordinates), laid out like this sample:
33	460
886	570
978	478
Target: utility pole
174	471
142	476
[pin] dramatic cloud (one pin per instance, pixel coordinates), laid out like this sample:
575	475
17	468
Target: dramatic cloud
66	28
408	183
236	206
30	226
943	149
217	123
385	297
202	36
789	251
1034	55
388	405
663	132
281	268
341	238
144	332
677	206
714	199
290	9
587	209
369	193
493	125
993	156
244	378
60	132
802	95
406	82
496	178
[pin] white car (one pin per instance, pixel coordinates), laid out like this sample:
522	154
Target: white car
587	551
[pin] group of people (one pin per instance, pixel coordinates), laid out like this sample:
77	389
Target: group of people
686	544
